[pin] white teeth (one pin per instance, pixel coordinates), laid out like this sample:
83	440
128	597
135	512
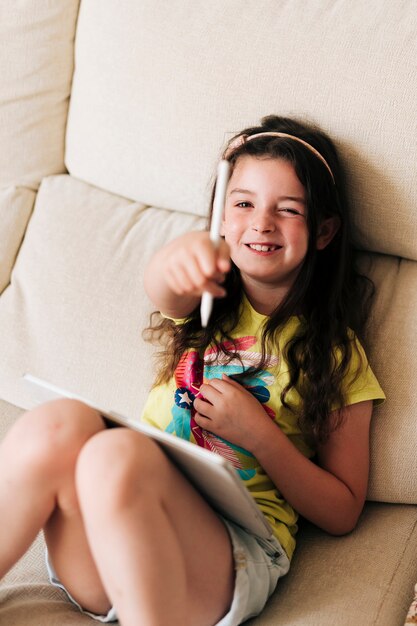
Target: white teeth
259	248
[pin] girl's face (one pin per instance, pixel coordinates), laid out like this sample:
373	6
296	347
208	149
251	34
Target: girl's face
265	223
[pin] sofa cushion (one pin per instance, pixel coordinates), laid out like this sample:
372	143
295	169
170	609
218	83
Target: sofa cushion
371	572
75	309
36	65
364	578
16	204
159	87
393	328
8	414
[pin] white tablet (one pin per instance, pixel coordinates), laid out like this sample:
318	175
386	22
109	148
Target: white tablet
212	475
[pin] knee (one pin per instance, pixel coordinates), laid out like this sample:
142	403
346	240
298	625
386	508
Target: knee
52	433
115	466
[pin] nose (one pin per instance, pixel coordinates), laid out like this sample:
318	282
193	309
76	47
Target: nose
262	221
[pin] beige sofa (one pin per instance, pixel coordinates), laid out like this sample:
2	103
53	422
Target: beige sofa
112	116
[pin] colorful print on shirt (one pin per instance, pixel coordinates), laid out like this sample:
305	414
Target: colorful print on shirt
192	371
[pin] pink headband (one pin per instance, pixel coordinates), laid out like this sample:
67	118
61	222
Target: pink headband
241	139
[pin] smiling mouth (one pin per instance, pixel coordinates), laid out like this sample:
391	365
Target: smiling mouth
258	247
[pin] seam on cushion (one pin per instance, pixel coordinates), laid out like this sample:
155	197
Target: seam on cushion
399	560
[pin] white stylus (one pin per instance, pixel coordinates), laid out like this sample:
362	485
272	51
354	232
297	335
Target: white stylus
223	173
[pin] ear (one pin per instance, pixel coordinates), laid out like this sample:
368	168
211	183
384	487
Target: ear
327	230
222	229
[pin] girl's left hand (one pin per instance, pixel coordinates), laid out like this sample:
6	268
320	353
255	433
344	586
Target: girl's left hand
230	411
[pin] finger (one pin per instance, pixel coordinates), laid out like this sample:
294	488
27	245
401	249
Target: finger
178	280
214	259
210	391
207	259
201	264
219	384
223	384
196	275
203	407
214	288
189	280
203	421
231	381
223	257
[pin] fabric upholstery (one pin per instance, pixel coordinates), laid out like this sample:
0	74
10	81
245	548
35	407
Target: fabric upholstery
36	65
158	87
16	205
364	578
346	65
75	308
391	349
75	314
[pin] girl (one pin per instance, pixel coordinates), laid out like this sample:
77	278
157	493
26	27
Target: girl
277	378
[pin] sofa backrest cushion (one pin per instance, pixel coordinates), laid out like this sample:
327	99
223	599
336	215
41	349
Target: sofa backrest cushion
36	65
160	86
75	308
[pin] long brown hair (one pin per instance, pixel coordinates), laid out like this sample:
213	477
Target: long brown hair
329	294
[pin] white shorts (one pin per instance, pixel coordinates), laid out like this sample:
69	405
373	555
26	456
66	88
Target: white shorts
259	563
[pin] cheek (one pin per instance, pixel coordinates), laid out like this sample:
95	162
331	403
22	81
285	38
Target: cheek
231	229
299	235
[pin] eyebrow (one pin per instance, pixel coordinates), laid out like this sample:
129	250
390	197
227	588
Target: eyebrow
253	193
239	190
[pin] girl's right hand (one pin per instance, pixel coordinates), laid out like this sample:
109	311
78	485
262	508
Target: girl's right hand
194	265
187	266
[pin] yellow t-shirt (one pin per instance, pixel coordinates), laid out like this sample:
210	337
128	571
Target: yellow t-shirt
170	407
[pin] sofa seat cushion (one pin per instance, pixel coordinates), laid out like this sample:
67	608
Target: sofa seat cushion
8	414
370	572
363	578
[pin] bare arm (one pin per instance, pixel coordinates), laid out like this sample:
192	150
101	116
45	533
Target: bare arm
178	273
330	494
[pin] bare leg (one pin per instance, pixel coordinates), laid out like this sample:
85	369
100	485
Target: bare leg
164	555
160	553
37	466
